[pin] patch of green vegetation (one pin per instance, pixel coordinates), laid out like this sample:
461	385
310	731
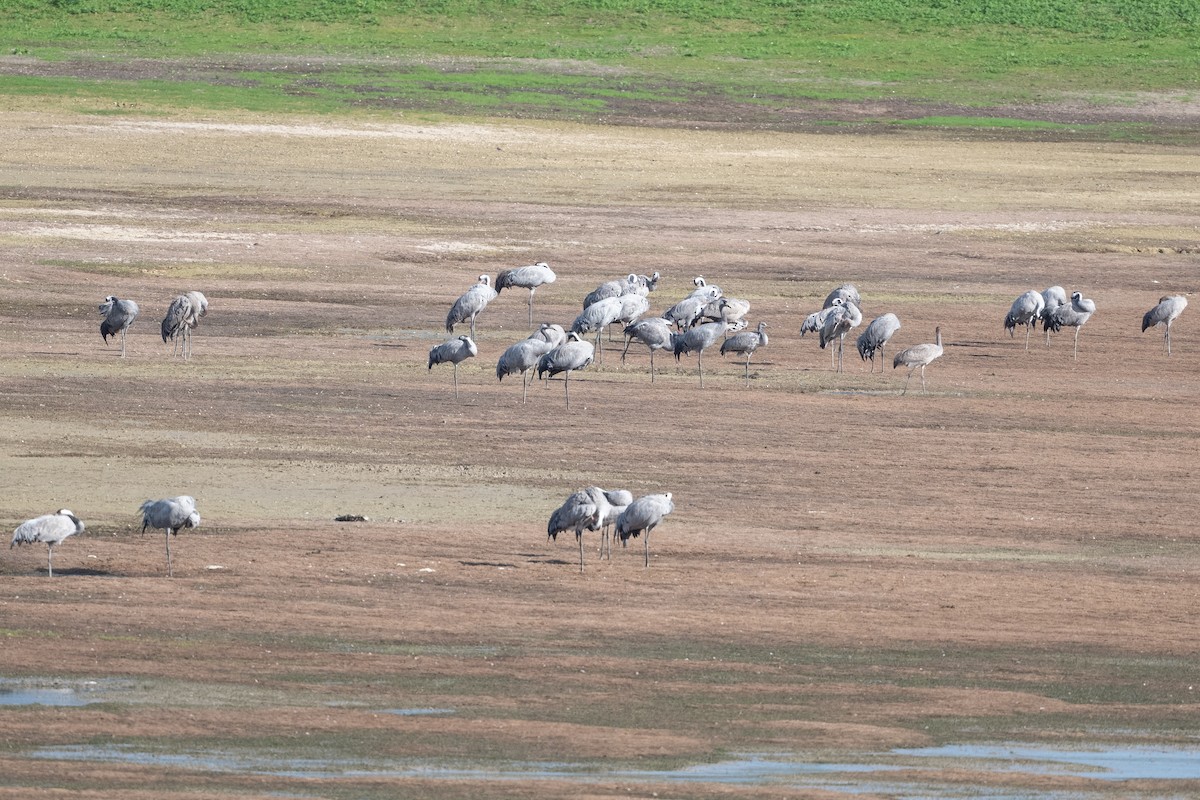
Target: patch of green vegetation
583	58
990	122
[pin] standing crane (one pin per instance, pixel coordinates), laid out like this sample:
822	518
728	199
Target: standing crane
471	304
171	514
642	516
842	319
1164	313
454	351
920	355
597	317
1073	315
118	316
876	336
530	277
522	357
1026	310
746	343
573	354
1053	297
182	316
583	510
51	529
654	332
697	340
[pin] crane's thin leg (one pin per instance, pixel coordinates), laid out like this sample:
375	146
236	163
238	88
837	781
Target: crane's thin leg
646	544
50	560
909	378
1076	342
923	379
567	386
748	369
524	387
841	347
700	364
456	381
628	339
652	365
1168	337
168	537
579	538
1028	329
531	291
123	332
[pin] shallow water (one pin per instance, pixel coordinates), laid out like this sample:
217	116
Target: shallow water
869	776
1104	763
41	697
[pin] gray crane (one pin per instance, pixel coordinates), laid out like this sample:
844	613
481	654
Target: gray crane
920	355
876	336
847	293
843	318
118	316
550	332
596	317
530	277
520	358
697	340
1053	297
171	514
1072	315
182	316
573	354
471	304
630	284
688	311
654	332
51	529
1025	310
583	510
816	320
642	516
1164	313
455	352
734	310
618	500
746	343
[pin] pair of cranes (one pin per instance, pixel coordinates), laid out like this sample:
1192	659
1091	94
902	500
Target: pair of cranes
171	515
594	509
183	314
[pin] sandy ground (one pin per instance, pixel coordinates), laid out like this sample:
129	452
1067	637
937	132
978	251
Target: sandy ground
1011	556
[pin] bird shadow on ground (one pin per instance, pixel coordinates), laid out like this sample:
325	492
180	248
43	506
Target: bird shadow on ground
82	571
501	564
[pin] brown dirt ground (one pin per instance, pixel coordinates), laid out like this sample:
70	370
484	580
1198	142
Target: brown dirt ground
848	569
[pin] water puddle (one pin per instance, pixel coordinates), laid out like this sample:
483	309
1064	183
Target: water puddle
876	776
1111	764
40	697
50	692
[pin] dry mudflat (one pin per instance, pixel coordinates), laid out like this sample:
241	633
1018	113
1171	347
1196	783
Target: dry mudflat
850	572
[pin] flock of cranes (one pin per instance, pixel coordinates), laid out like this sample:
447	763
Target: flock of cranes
183	314
691	325
707	316
171	515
